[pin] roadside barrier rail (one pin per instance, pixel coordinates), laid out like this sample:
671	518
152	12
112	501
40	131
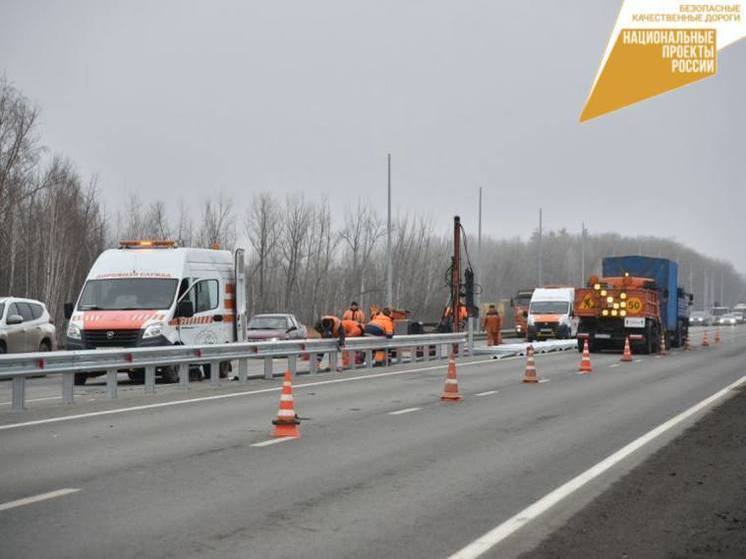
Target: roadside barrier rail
21	366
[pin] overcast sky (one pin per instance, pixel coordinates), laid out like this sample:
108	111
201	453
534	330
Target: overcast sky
185	99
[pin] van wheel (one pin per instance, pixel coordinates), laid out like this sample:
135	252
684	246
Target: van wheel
170	375
80	379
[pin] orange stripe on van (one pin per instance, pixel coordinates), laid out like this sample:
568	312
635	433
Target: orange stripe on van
230	287
229	303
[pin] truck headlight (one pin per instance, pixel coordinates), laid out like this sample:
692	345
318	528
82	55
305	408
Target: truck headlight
73	332
153	330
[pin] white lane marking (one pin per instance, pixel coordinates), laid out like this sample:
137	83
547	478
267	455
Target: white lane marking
37	498
638	361
488	393
407	410
542	381
274	441
486	542
613	365
34	400
245	393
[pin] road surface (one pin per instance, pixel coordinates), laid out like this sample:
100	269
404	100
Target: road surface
383	468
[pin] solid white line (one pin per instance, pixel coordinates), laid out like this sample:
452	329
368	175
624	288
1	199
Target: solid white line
488	393
613	365
638	361
239	394
37	498
407	410
274	441
499	533
542	381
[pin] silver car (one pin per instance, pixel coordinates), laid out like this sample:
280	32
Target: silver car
25	326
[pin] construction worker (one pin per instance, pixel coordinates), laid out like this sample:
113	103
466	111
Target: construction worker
352	329
492	324
330	327
463	314
380	325
354	313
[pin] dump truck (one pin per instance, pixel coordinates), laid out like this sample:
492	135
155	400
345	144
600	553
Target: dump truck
637	297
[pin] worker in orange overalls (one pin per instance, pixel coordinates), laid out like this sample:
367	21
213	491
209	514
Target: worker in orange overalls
463	314
352	329
492	324
380	325
330	327
354	313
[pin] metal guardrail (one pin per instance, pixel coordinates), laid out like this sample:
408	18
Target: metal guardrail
19	367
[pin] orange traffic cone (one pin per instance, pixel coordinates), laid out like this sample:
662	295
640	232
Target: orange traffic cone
450	388
705	341
663	350
717	336
530	374
585	361
286	424
627	356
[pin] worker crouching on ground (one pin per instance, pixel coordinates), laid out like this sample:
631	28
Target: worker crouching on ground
330	327
492	324
354	313
380	325
352	329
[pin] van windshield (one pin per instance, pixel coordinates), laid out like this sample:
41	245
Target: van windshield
549	307
128	294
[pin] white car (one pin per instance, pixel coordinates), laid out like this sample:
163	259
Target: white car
729	319
25	326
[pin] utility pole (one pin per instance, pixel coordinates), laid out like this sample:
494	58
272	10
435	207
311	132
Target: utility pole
478	272
582	254
389	265
722	289
541	271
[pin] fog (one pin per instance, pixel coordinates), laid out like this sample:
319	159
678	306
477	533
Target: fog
184	100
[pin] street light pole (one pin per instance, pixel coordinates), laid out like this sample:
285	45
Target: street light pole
478	272
389	271
541	271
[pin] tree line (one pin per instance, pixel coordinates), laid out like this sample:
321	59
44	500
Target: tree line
300	258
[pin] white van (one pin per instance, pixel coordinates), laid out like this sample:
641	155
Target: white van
152	293
551	314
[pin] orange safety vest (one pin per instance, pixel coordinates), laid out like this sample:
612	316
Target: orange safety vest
492	322
384	323
336	323
357	315
353	328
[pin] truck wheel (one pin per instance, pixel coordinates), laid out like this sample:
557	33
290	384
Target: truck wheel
80	379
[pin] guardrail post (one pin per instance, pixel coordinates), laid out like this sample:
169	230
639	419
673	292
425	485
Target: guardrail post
353	359
68	387
293	365
243	370
460	349
438	352
333	361
313	364
183	371
470	335
111	383
19	393
150	379
369	358
214	373
268	368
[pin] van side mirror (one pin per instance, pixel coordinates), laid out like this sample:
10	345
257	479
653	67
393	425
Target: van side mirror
291	329
185	309
691	299
14	319
68	310
525	314
512	303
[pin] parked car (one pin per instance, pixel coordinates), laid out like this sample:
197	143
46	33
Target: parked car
729	319
25	326
700	318
274	327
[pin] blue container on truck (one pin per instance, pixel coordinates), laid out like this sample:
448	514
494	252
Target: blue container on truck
674	301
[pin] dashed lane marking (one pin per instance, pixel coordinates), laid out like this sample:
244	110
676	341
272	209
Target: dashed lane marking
273	441
37	498
489	540
488	393
401	412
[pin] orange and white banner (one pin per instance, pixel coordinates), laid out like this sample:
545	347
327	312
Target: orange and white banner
660	45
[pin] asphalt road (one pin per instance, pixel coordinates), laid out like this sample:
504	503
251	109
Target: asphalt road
383	468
